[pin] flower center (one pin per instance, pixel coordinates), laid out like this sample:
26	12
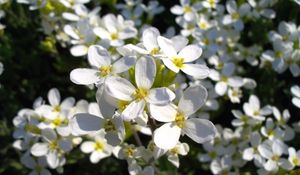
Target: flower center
141	93
114	36
211	2
256	113
275	157
99	146
178	61
187	9
122	105
109	126
154	51
105	70
129	151
203	25
53	145
179	120
235	16
56	108
174	150
295	161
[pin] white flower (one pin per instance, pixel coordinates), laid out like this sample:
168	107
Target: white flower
252	109
179	149
122	89
188	11
235	14
271	131
53	148
211	4
102	67
181	61
272	151
98	148
252	152
100	117
178	121
115	30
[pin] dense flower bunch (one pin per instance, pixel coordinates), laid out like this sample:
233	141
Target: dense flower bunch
164	86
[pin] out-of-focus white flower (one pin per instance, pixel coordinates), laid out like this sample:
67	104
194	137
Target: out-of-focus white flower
115	30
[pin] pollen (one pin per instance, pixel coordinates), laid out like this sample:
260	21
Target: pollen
109	126
187	9
114	36
122	105
203	25
129	151
235	16
178	61
275	158
53	145
295	161
141	93
174	151
179	120
99	146
56	108
154	51
57	121
211	2
105	70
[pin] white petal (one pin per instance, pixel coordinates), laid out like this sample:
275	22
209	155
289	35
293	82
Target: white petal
160	96
65	145
179	42
167	46
192	99
39	149
69	30
54	97
119	88
123	64
84	76
248	154
133	110
271	165
170	65
79	50
150	38
98	56
167	136
97	156
145	70
296	102
85	123
165	113
199	130
67	103
49	134
53	160
87	147
295	90
198	71
190	53
174	159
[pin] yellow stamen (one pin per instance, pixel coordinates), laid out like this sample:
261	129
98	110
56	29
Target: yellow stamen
187	9
141	93
56	108
154	51
114	36
179	120
99	146
178	61
105	70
